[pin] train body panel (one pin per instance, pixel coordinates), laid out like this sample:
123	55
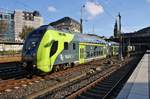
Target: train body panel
93	50
82	52
69	54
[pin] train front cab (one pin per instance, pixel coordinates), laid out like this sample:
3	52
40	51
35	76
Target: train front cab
52	39
31	45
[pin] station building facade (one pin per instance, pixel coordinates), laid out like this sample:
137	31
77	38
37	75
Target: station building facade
12	23
66	23
7	26
24	18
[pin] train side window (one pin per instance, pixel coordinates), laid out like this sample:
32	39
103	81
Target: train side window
94	53
74	46
88	54
1	16
65	45
54	48
97	53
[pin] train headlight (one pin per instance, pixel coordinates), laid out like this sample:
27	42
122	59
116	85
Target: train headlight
33	44
34	65
34	54
29	48
24	64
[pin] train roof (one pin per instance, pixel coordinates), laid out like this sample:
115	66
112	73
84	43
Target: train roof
83	37
88	38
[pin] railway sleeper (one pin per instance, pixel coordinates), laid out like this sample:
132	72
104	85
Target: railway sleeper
82	97
103	86
91	95
101	92
107	82
99	89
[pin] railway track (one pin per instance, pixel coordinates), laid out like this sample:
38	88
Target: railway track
10	66
106	87
11	86
11	70
59	84
71	86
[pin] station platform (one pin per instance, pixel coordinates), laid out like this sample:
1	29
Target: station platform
138	85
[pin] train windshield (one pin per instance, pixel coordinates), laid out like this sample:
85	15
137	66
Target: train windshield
34	38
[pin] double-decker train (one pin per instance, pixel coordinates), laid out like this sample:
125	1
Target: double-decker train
46	49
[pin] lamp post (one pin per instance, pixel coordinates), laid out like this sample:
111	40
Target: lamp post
81	19
121	47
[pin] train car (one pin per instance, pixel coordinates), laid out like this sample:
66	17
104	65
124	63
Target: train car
112	49
48	49
115	48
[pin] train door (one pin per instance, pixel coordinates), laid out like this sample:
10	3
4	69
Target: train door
81	54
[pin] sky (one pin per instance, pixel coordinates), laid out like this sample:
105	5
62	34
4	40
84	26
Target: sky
98	15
